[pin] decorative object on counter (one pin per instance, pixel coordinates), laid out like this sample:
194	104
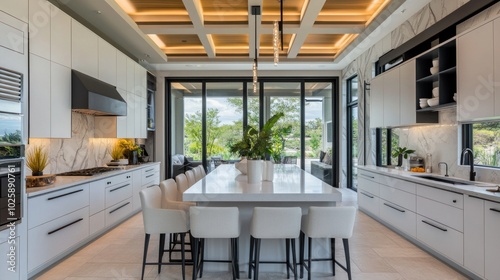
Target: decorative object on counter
40	181
402	153
116	152
428	163
131	150
37	159
242	166
433	101
255	145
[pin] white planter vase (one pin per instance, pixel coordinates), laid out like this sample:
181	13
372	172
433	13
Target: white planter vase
254	171
242	166
268	173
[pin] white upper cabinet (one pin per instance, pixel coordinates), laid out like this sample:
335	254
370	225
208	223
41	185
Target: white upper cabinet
39	27
84	49
475	71
407	89
121	71
391	97
143	130
131	111
60	101
496	65
107	62
130	75
39	97
60	38
377	102
17	9
140	80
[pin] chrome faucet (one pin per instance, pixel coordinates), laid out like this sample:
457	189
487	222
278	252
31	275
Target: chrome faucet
472	174
446	165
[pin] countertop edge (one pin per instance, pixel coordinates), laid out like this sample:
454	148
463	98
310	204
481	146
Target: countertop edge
80	180
479	192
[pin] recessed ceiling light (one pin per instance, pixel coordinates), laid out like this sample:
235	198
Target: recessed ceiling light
98	12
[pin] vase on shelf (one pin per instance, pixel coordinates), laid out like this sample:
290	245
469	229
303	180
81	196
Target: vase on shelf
254	171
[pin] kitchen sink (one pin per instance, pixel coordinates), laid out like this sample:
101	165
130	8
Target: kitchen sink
444	180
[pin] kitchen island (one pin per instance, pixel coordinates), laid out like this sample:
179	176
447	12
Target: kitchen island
291	186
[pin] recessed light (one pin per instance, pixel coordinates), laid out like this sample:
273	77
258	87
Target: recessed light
98	12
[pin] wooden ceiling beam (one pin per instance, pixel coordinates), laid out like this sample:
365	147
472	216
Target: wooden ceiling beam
195	11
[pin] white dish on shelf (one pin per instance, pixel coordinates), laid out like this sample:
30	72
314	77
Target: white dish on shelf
424	105
433	101
435	62
455	96
434	70
435	92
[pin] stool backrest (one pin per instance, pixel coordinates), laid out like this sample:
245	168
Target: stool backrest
190	177
169	192
276	222
197	173
330	222
214	222
182	185
202	170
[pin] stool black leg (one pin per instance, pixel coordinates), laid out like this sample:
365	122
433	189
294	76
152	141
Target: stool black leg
347	257
309	257
194	256
257	257
233	257
202	256
250	259
294	258
287	242
237	255
146	244
161	250
332	245
183	256
301	253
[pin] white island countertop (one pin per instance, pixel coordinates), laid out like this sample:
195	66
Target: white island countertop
290	184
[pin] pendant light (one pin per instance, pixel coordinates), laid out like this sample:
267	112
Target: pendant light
255	13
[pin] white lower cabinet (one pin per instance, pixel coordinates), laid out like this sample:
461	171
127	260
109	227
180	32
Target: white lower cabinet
48	240
118	212
368	202
5	248
474	235
452	217
399	217
136	199
492	240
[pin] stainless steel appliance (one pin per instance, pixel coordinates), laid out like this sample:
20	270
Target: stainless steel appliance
89	171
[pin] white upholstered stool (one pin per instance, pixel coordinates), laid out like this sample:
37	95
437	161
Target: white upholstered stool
198	175
161	221
214	222
327	222
202	170
190	177
274	223
182	185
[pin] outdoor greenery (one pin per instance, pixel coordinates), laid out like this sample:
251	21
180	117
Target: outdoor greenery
10	138
486	137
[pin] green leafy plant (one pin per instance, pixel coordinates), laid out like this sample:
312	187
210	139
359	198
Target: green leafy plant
117	152
128	145
256	144
402	151
36	160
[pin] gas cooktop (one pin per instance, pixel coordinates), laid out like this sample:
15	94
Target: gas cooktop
89	171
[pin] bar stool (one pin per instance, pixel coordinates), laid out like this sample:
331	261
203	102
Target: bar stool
197	173
190	177
182	185
161	221
327	222
214	222
274	223
202	169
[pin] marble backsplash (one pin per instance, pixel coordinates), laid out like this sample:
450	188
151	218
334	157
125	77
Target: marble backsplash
80	151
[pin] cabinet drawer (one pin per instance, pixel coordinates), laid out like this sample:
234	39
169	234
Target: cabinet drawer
117	193
151	179
492	242
368	202
118	179
401	198
441	238
368	185
50	239
399	217
49	206
118	212
96	222
440	212
150	169
398	184
368	175
446	197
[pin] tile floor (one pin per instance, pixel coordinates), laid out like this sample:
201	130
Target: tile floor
376	253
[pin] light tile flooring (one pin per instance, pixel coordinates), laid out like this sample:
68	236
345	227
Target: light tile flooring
376	253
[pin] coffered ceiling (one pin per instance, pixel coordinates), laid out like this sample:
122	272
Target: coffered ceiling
225	30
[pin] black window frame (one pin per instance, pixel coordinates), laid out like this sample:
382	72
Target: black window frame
349	109
378	148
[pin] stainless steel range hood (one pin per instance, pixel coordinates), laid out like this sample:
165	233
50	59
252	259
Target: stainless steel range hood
92	96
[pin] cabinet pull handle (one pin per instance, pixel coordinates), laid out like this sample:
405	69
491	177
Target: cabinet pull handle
63	227
121	187
395	208
368	176
432	225
454	201
118	208
495	210
367	195
149	170
150	175
59	196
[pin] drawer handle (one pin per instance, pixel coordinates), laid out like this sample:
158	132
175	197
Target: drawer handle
120	207
59	196
63	227
149	170
128	177
108	183
115	189
368	176
432	225
495	210
367	195
150	175
454	201
395	208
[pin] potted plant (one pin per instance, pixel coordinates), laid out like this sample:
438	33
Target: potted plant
254	145
400	153
116	152
36	160
131	150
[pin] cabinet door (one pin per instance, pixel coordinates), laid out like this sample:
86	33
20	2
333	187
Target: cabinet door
84	49
492	242
137	183
60	38
39	27
137	117
476	98
39	95
474	235
121	71
391	97
496	59
130	115
407	94
140	86
121	122
60	101
17	9
143	133
130	75
107	62
5	273
377	102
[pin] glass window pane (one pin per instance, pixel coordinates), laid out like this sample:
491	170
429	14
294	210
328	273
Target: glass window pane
354	145
353	86
486	143
252	106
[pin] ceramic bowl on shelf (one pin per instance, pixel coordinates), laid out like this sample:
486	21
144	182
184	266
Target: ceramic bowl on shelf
423	105
455	96
435	62
434	70
435	92
433	101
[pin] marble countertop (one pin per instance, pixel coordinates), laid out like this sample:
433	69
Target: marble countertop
290	184
477	189
70	181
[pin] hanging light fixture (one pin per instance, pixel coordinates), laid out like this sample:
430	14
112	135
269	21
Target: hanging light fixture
278	35
255	13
